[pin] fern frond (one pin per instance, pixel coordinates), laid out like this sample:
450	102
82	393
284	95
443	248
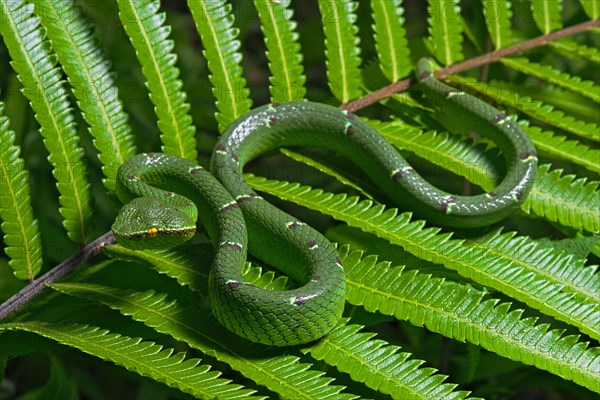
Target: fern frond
553	191
44	88
390	39
547	14
576	50
470	261
555	76
145	358
498	15
341	48
591	8
283	50
22	243
445	30
154	49
459	312
92	82
214	22
197	327
380	366
511	96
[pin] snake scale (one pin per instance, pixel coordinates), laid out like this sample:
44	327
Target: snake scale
165	194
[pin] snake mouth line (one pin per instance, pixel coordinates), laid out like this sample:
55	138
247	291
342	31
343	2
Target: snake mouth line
169	232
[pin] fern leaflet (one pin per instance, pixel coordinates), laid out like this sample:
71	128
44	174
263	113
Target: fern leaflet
214	23
573	49
342	50
154	51
283	50
92	82
44	88
591	8
564	199
142	357
21	232
555	76
445	30
547	14
390	39
498	15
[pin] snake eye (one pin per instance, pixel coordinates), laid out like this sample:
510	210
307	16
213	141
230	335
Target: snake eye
153	231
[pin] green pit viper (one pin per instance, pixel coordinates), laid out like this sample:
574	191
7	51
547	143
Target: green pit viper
164	195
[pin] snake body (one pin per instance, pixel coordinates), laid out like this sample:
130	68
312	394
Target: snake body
165	193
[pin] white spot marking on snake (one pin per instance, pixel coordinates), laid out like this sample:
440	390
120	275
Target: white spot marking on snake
299	300
232	284
233	245
229	206
400	173
452	93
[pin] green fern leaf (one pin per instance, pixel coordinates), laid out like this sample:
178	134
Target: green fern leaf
380	366
283	50
342	48
44	88
471	261
553	191
150	39
214	23
321	166
547	14
573	49
142	357
510	95
198	328
591	8
92	82
459	312
559	267
497	18
21	233
390	39
445	30
555	76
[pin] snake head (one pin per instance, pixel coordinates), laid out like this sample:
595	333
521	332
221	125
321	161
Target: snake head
147	223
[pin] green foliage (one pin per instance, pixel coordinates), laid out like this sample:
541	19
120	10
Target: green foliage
431	312
21	232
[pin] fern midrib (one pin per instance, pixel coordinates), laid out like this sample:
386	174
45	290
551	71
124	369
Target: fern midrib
55	124
546	18
390	40
195	332
448	59
472	325
397	384
83	65
224	68
132	361
528	267
282	53
162	84
497	25
22	229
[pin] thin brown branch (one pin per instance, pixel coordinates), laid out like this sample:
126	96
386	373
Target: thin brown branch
35	287
483	59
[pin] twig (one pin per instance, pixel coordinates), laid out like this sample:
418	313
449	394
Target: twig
483	59
35	287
